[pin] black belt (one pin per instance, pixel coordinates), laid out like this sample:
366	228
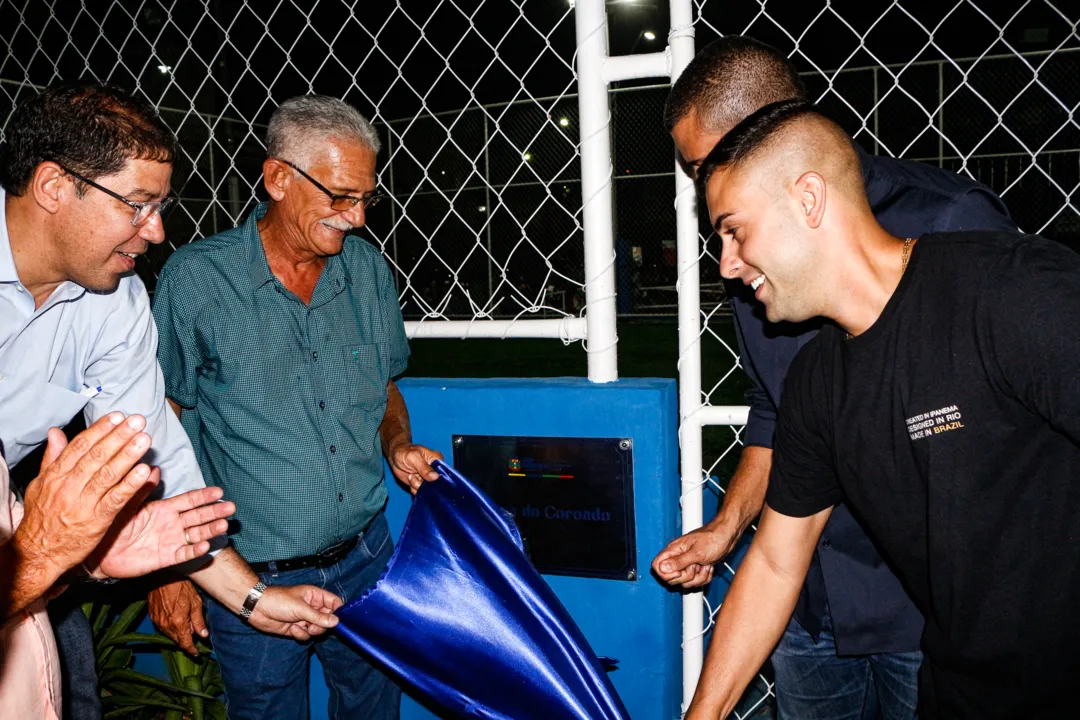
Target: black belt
326	558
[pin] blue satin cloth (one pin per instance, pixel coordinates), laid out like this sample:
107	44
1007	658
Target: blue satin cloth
462	617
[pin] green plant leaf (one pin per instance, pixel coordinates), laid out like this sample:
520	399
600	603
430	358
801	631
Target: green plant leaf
127	693
118	688
185	664
117	701
99	620
137	677
191	682
211	674
169	656
120	625
123	712
119	658
139	639
124	621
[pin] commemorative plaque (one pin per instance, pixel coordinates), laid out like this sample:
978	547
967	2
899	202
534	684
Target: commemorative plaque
572	498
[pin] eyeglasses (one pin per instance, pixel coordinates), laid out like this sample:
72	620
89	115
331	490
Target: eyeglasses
144	211
338	203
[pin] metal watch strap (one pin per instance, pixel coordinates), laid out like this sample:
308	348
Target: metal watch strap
252	598
89	576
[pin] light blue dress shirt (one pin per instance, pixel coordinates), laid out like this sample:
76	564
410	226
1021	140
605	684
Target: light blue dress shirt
88	352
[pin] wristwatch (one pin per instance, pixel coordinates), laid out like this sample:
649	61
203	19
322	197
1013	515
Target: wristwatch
252	598
89	576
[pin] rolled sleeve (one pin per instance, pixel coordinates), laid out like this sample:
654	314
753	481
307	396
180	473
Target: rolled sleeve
131	381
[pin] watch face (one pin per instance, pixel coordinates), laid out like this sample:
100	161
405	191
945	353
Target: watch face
252	598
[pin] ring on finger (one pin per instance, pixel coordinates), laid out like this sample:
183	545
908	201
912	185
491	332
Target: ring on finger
187	538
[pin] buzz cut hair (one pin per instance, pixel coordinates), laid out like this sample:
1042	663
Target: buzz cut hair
729	79
830	145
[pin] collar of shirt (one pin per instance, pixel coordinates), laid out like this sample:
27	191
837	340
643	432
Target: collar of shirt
334	276
9	278
867	166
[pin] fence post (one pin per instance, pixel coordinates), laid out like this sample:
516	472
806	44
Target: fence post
596	171
689	291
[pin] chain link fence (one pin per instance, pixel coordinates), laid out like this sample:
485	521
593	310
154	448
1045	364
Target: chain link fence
471	100
474	102
987	89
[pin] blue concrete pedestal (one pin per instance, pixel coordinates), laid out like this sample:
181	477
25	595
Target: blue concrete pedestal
636	621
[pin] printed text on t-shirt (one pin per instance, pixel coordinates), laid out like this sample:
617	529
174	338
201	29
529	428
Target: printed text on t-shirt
934	422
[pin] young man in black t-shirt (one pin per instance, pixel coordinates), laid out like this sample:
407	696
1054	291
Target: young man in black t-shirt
942	404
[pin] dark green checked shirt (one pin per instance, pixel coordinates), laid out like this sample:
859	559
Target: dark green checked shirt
282	400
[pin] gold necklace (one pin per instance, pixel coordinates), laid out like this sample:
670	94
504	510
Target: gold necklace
904	257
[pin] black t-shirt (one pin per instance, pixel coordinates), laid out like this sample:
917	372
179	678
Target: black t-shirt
952	430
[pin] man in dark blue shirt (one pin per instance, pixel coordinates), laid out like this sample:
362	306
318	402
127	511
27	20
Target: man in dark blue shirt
851	649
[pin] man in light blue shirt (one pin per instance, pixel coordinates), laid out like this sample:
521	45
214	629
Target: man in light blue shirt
84	175
81	351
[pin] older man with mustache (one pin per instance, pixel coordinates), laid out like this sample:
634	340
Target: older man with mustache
280	340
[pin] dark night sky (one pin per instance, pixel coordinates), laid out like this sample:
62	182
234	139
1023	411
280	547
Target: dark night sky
334	48
411	60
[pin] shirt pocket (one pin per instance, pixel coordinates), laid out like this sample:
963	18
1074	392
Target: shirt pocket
61	405
366	375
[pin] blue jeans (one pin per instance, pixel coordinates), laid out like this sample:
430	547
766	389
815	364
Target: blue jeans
812	683
75	643
266	676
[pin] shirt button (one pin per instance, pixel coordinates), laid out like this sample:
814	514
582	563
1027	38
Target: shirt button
333	448
825	543
341	497
322	405
315	355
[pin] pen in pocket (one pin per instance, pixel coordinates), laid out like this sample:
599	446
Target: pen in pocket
90	391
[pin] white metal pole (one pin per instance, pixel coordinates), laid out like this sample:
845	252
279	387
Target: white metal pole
689	284
566	328
633	67
722	415
596	172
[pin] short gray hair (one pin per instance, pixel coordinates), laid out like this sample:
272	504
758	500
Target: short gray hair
301	124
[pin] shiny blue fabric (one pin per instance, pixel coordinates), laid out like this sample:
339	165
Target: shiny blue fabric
462	617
